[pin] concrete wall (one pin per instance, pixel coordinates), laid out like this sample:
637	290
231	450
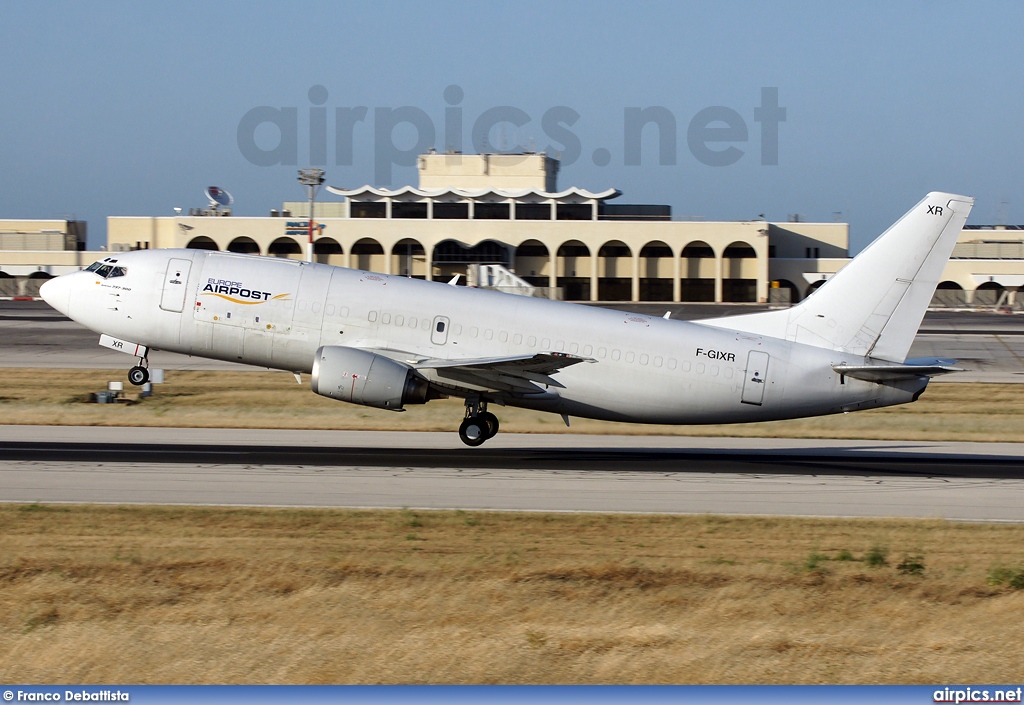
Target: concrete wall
476	171
41	234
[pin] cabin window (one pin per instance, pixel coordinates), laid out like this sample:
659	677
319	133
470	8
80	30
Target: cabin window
344	312
440	326
532	341
457	329
616	355
503	337
574	348
474	332
700	368
728	373
560	345
601	352
386	319
412	322
488	334
372	317
517	339
714	370
671	363
686	366
329	310
588	350
630	356
644	359
399	320
546	343
658	361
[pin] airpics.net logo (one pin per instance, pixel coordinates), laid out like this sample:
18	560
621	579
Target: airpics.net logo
716	136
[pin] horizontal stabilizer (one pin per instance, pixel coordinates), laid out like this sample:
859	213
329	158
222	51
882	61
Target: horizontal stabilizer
889	373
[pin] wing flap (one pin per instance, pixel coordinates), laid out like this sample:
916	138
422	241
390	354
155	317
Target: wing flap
516	374
545	363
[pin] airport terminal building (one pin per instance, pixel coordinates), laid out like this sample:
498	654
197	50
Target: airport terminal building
505	211
32	251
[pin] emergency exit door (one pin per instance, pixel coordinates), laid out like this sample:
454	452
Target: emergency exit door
175	279
439	333
756	378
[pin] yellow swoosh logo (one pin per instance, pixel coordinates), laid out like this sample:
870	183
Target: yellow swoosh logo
245	303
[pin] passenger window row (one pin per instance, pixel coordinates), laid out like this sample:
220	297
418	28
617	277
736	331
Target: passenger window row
602	353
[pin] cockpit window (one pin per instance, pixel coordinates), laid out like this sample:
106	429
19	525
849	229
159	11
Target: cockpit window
106	269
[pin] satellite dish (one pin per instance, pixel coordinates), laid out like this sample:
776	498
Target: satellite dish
218	196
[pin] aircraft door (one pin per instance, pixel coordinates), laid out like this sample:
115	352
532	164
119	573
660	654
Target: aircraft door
439	333
756	378
175	278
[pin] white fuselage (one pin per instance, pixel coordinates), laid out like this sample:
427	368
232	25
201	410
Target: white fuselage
276	313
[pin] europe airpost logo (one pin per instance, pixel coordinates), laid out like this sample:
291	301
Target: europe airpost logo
238	293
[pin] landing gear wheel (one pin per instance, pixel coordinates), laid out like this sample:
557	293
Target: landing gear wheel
473	431
138	375
492	423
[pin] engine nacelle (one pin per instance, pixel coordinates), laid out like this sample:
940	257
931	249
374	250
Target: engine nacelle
363	377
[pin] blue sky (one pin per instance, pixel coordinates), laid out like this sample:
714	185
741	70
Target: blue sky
133	108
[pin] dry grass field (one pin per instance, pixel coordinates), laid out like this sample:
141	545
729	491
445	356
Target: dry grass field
968	412
213	595
207	595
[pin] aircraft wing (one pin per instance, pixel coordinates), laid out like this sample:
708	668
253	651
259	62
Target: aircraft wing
890	372
516	374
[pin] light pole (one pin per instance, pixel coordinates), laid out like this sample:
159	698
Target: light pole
312	179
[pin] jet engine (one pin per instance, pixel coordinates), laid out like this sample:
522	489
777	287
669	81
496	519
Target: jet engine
363	377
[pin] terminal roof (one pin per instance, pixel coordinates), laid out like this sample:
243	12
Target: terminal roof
411	192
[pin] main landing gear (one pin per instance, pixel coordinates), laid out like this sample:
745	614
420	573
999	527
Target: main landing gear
479	424
139	374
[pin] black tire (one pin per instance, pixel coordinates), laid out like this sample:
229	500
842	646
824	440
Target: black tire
473	431
138	375
492	423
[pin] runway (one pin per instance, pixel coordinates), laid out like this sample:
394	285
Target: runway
981	482
963	481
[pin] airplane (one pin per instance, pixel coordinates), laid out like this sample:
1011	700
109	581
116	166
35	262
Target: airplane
390	341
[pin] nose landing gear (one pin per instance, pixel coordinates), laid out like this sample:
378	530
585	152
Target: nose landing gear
139	374
479	424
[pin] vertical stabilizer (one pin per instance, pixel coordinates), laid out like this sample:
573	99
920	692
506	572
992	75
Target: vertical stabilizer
874	305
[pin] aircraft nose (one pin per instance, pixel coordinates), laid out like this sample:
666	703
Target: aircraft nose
57	293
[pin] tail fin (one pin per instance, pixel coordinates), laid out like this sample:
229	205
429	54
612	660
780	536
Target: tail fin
874	305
